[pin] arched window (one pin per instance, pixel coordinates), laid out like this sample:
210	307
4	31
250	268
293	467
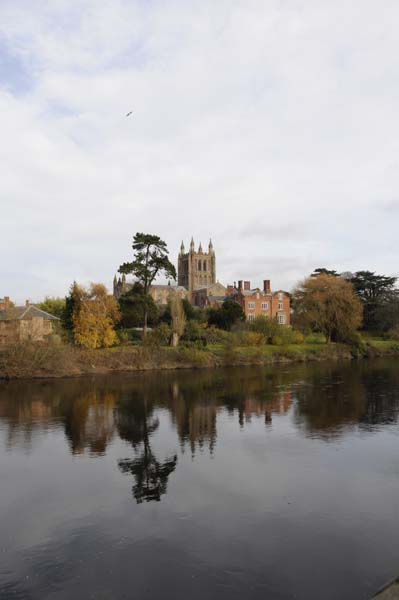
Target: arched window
204	265
199	265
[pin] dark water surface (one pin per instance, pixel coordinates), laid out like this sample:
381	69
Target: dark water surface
240	483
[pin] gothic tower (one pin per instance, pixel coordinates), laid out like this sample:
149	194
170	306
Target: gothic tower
196	270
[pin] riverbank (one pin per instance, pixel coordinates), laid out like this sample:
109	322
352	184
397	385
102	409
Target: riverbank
25	361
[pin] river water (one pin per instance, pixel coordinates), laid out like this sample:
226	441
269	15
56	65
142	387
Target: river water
216	484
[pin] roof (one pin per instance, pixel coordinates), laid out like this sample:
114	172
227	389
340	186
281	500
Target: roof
216	298
25	313
175	288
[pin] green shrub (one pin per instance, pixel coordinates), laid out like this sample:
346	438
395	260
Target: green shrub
277	340
193	332
297	337
316	338
249	338
267	327
123	336
356	342
393	334
213	335
162	333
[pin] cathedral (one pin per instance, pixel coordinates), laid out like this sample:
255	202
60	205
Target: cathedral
196	270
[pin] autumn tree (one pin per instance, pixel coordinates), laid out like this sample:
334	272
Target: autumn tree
328	304
150	260
178	317
95	315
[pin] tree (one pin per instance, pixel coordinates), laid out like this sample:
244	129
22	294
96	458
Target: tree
71	302
151	259
224	317
324	271
178	318
374	291
54	306
329	305
95	316
132	304
136	424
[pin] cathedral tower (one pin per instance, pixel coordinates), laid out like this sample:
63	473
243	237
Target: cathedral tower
196	270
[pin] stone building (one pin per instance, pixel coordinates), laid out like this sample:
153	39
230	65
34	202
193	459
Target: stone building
196	270
23	323
212	295
257	302
160	293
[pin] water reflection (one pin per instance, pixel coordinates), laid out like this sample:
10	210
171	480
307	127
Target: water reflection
323	401
136	423
237	483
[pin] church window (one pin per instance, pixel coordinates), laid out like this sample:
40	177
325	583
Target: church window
199	265
204	265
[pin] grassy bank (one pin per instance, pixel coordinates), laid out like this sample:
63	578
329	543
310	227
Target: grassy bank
35	361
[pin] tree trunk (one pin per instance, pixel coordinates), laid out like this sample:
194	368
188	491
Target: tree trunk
174	341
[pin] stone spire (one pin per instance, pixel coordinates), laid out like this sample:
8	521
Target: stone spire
210	248
192	245
200	248
182	249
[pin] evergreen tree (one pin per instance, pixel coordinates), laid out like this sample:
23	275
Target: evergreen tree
151	259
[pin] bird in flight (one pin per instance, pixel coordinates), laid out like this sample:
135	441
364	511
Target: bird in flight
129	113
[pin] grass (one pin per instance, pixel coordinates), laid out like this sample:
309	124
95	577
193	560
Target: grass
30	360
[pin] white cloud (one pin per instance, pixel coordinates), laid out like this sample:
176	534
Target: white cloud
247	115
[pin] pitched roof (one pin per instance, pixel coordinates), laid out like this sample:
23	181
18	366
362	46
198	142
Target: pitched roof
24	313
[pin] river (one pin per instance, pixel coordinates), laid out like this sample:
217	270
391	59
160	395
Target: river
245	483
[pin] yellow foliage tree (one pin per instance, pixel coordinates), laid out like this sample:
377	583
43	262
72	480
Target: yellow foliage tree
327	304
94	318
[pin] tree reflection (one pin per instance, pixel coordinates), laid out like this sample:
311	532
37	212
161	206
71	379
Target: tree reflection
136	424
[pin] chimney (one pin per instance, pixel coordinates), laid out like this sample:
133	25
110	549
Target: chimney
247	285
266	286
5	305
240	285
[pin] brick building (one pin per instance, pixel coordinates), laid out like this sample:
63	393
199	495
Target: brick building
261	302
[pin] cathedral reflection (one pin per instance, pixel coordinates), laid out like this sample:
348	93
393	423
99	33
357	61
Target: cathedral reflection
319	400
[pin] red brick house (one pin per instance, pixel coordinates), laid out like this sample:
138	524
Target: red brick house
257	302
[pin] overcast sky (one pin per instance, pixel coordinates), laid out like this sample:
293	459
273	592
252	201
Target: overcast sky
271	126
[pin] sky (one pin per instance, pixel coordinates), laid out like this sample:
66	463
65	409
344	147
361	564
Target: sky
270	126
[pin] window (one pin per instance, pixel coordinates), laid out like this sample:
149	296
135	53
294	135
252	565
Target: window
251	305
199	265
281	319
280	306
204	268
251	317
264	306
